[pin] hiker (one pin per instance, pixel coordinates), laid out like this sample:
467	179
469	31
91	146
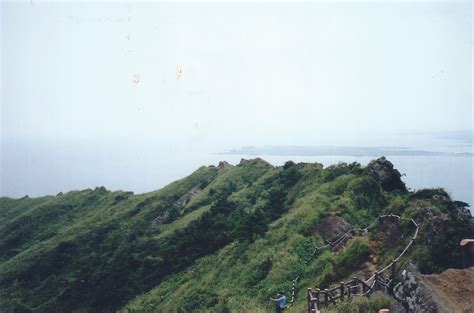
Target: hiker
281	299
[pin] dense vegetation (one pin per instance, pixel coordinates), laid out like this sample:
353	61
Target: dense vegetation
242	237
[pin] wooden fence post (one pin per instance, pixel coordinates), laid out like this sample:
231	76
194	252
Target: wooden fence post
318	291
394	269
354	284
342	290
293	293
376	280
310	304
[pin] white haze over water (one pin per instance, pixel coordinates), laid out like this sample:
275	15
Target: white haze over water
134	96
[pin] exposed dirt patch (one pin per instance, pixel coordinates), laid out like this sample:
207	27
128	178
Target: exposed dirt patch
454	288
367	268
450	291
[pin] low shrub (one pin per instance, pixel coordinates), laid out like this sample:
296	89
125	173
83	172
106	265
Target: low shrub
355	254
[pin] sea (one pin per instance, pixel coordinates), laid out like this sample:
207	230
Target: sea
46	168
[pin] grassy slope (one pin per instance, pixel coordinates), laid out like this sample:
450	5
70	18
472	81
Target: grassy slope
241	276
54	244
242	238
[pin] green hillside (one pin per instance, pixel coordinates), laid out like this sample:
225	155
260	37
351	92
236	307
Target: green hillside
223	239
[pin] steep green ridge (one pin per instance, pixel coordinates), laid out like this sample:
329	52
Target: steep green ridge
222	239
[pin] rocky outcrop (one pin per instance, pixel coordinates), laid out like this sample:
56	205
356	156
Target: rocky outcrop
389	178
390	231
331	226
165	216
253	161
450	291
223	165
301	165
437	224
461	210
244	161
187	196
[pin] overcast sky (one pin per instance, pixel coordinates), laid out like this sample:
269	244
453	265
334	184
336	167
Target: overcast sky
219	76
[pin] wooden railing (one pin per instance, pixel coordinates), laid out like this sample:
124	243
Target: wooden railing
336	242
358	287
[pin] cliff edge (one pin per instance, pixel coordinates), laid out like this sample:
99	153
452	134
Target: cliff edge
447	292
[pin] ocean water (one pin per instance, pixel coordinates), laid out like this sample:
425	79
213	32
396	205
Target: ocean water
454	174
39	168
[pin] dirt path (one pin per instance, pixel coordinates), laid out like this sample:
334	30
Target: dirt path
453	288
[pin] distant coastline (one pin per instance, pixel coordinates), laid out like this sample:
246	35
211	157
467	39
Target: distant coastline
340	150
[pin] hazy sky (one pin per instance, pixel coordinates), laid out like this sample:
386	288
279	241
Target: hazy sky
216	76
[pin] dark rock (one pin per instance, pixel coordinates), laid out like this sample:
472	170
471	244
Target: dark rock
331	226
460	210
188	195
398	307
223	165
383	172
253	161
244	161
391	232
